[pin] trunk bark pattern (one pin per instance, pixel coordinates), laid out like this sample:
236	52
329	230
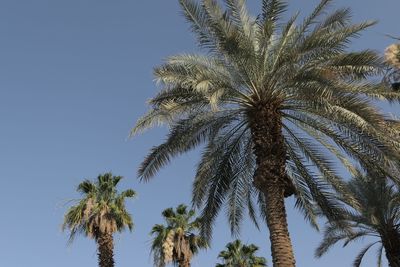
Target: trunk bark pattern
391	243
183	263
105	244
271	179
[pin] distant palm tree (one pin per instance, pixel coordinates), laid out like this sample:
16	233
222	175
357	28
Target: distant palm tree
177	241
392	55
392	58
269	101
240	255
99	214
374	211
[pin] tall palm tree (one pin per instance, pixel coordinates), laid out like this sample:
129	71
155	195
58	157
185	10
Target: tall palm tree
240	255
177	241
271	101
99	214
374	211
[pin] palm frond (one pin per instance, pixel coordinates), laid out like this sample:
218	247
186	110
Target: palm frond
360	256
101	209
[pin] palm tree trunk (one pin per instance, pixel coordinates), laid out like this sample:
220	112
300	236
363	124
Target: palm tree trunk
392	248
105	244
183	263
281	245
271	179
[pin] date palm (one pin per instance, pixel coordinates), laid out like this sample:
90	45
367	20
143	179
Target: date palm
177	241
240	255
374	212
271	102
99	214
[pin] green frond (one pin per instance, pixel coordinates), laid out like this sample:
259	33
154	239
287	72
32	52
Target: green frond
280	51
240	16
128	193
236	204
353	144
222	177
251	194
370	213
320	191
337	19
317	156
116	180
181	232
101	209
239	254
184	136
182	210
272	10
197	17
356	65
152	118
214	154
304	199
321	44
86	187
313	17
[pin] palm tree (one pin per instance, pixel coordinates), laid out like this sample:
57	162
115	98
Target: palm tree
392	58
240	255
374	211
99	214
177	241
270	101
392	55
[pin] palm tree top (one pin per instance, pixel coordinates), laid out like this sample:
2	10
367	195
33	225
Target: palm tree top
178	239
238	254
101	208
179	219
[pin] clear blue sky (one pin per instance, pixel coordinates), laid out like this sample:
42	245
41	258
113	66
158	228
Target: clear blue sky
74	77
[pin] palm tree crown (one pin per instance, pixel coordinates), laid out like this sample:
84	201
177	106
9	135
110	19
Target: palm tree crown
373	212
240	255
177	241
99	214
272	102
101	209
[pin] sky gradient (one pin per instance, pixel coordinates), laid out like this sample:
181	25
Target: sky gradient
74	77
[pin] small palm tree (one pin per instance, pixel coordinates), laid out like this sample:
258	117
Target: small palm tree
374	212
177	241
392	55
272	102
99	214
240	255
392	58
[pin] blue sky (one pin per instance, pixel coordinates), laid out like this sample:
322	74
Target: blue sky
74	77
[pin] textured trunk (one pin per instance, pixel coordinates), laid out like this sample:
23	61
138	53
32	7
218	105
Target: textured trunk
183	253
391	244
183	263
271	179
281	245
105	244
